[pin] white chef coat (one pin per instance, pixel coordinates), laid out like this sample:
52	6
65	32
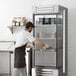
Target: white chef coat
23	37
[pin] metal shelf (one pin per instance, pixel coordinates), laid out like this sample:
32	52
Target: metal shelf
14	28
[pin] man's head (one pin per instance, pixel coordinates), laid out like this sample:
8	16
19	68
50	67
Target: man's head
29	26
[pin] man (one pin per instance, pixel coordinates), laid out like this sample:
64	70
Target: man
24	37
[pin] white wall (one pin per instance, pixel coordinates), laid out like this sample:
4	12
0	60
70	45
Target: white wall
12	8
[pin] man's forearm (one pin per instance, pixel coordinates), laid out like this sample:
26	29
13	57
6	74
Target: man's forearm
29	46
38	42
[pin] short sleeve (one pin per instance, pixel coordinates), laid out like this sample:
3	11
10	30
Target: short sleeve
30	37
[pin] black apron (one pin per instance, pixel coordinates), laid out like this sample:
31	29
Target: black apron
19	59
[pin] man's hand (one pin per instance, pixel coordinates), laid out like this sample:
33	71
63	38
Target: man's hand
46	46
29	45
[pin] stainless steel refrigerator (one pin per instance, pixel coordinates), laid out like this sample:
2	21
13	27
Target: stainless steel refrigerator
51	23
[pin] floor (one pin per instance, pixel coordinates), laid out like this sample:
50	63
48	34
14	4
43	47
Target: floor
4	75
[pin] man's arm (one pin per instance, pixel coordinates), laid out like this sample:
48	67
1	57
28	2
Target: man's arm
40	43
29	46
35	41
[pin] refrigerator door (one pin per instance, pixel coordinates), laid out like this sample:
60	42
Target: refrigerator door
45	31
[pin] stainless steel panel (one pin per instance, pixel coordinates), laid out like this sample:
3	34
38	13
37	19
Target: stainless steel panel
44	58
